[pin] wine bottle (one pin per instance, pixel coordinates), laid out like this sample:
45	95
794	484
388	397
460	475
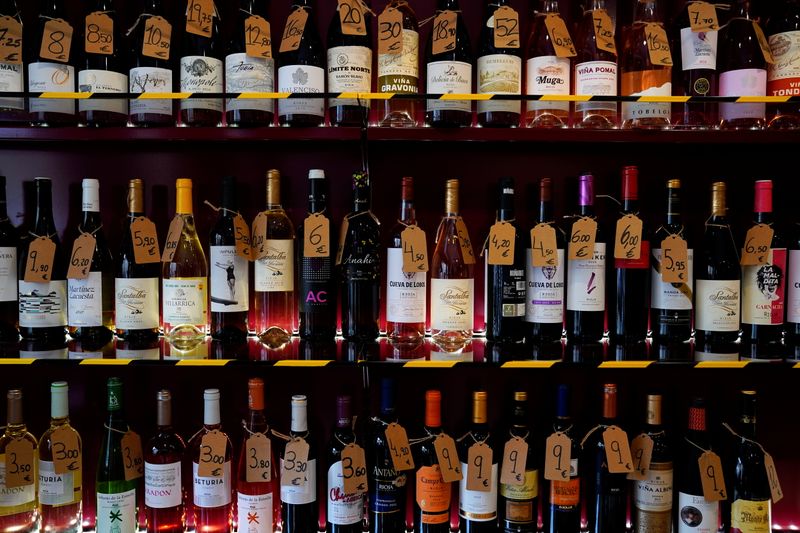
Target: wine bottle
212	495
399	72
163	482
345	510
695	513
432	494
46	74
299	502
783	76
595	74
201	69
544	308
499	72
149	74
184	282
317	294
12	76
477	510
360	269
628	324
742	69
229	282
671	303
547	73
102	68
586	291
504	287
449	71
387	486
640	75
763	288
519	504
303	71
9	241
349	68
43	305
274	273
116	497
406	292
257	504
719	282
452	277
91	300
792	333
652	496
562	512
18	508
246	73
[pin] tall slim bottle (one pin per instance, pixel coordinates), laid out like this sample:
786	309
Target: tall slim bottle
519	504
299	503
595	74
499	71
349	70
477	510
9	297
652	496
164	493
229	282
151	74
12	75
399	73
432	494
201	71
18	511
783	76
695	513
345	511
562	511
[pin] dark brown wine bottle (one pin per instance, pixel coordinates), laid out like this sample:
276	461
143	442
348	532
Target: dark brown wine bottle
201	69
12	70
149	74
783	76
9	242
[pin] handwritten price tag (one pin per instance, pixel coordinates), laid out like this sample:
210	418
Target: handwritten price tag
702	17
558	454
316	236
19	463
618	451
757	245
501	244
99	34
145	241
445	26
133	459
257	37
294	467
10	40
242	237
390	32
259	458
582	239
506	28
39	263
772	477
56	41
66	451
352	17
544	247
763	43
80	260
447	455
258	239
173	238
515	459
559	35
415	249
642	454
293	32
200	17
712	477
628	240
464	242
157	39
479	467
674	260
354	469
397	438
604	31
658	45
213	447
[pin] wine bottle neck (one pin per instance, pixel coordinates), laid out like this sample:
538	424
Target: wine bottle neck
598	4
545	211
211	412
443	5
673	207
646	11
256	420
586	210
407	212
742	8
44	208
550	6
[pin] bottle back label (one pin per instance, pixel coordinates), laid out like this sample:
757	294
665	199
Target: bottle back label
202	74
698	49
17	499
136	303
301	79
229	280
116	512
717	304
793	288
8	272
499	74
343	508
255	513
751	517
696	515
449	77
103	81
654	493
162	485
150	80
57	489
433	495
672	296
43	305
646	83
185	301
596	78
85	304
212	491
743	82
406	292
275	271
545	291
763	289
586	279
11	81
452	304
399	73
51	77
783	78
387	488
248	74
548	75
349	70
476	505
302	494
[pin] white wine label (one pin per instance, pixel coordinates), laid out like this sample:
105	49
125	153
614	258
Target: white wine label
202	74
85	301
717	304
8	273
750	516
743	82
16	496
545	292
675	296
148	353
116	512
763	288
43	305
51	77
596	78
136	303
399	73
212	491
698	50
301	79
452	304
150	80
586	285
55	489
406	292
229	280
646	83
783	78
449	77
499	74
343	508
548	75
713	356
477	505
103	81
162	485
696	515
62	353
349	70
255	513
793	288
248	74
275	271
525	492
185	301
655	492
11	81
301	494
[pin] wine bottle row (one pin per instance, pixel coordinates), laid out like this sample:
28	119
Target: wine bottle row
708	50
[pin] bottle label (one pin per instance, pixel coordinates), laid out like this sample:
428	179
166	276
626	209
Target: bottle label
399	73
567	494
751	517
11	81
783	78
548	75
714	356
56	489
476	505
646	83
85	306
655	492
717	305
103	81
763	290
315	281
17	499
136	303
301	79
229	280
527	491
248	74
349	70
406	292
387	488
44	77
202	74
116	512
696	515
433	495
162	485
301	494
150	80
743	82
344	509
452	304
8	272
596	78
698	50
545	293
275	271
43	305
448	77
793	288
255	513
185	301
499	74
672	296
511	291
642	263
586	281
212	491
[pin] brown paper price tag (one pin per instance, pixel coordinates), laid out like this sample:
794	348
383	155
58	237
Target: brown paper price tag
294	468
354	469
582	239
132	456
157	39
200	17
257	37
447	455
712	477
674	260
19	463
559	35
604	31
316	236
259	458
444	30
390	32
658	44
501	244
628	239
99	34
506	28
242	237
618	451
173	238
213	447
642	453
56	41
258	238
415	249
763	43
293	32
702	17
515	459
342	240
465	242
352	17
558	454
145	241
772	477
10	40
66	451
399	447
479	467
544	247
39	263
80	260
757	245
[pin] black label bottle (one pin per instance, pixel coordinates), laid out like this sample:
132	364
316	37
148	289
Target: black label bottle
12	75
9	241
561	513
783	76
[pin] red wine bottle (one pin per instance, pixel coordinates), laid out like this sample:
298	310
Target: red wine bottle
783	76
345	510
12	75
652	496
499	71
432	494
519	504
349	68
163	479
477	510
9	241
562	511
201	70
299	503
151	74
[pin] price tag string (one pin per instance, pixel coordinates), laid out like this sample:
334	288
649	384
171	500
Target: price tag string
436	14
215	208
427	438
696	445
31	233
525	437
476	441
726	426
679	234
565	431
752	21
591	432
129	428
92	233
130	31
572	217
251	433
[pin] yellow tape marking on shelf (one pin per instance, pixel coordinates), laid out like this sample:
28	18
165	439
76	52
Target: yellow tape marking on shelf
66	96
458	96
657	99
762	99
722	364
302	363
203	362
564	98
8	361
625	364
163	96
106	362
430	364
263	96
529	364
